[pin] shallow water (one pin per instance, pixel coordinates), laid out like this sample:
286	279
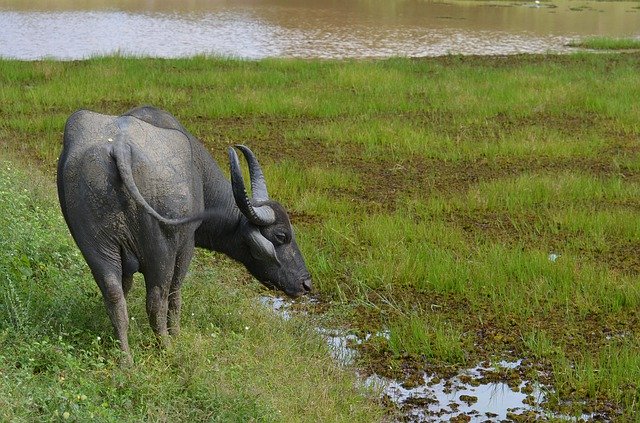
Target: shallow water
435	399
277	304
309	29
440	400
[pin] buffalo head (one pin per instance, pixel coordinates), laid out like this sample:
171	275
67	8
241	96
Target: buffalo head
272	254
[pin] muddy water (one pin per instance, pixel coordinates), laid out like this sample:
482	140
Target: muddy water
298	28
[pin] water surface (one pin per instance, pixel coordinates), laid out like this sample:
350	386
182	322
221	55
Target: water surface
308	29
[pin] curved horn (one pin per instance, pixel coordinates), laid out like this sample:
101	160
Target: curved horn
258	183
260	215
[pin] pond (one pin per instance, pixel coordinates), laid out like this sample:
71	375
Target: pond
70	30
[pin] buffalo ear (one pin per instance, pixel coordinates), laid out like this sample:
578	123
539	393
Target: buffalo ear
261	248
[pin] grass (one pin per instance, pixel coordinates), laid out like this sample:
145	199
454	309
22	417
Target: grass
233	361
427	336
607	43
501	192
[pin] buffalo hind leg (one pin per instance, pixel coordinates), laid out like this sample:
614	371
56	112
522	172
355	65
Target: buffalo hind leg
175	297
158	284
110	284
175	306
127	282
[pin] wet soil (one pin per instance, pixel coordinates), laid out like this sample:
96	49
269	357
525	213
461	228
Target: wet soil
496	336
415	389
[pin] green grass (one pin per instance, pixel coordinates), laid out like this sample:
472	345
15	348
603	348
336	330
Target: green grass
607	43
414	184
233	362
428	336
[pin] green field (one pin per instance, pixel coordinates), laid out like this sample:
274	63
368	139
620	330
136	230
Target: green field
476	207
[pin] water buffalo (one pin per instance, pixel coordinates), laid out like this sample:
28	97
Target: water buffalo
139	192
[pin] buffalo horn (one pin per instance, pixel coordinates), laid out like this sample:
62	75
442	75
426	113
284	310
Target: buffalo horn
258	215
258	183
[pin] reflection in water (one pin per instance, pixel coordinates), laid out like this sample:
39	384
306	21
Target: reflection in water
442	400
74	35
296	28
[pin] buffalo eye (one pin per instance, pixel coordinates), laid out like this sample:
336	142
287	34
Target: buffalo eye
281	237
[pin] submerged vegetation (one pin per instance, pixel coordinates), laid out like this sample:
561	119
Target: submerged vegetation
473	207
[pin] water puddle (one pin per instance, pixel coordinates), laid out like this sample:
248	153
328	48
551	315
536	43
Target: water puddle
469	396
339	341
339	345
280	305
487	392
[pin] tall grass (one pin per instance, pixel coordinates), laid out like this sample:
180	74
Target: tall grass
613	372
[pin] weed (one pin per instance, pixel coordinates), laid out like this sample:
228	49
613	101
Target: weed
428	336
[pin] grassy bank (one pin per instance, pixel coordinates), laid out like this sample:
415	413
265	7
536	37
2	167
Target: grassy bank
476	207
607	43
233	362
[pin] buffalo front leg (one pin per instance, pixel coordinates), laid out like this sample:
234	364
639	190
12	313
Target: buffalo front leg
110	285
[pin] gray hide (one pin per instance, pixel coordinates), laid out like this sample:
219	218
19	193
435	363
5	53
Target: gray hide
138	192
